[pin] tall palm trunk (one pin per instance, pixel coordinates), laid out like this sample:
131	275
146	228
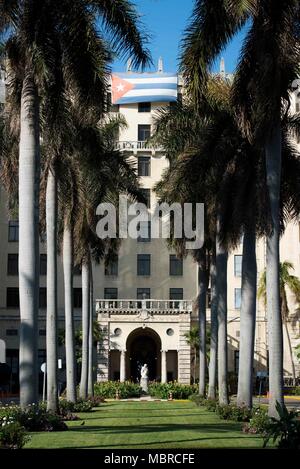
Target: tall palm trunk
202	290
284	315
247	319
91	339
213	329
51	329
29	180
275	334
69	320
85	329
221	263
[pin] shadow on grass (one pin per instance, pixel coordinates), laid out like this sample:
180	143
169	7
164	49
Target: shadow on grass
175	442
162	428
125	416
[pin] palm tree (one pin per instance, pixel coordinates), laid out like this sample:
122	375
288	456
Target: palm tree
68	265
261	96
213	362
215	162
91	339
292	283
34	33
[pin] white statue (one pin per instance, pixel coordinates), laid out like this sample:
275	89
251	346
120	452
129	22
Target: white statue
144	371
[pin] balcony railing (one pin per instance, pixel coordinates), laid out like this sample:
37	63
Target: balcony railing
149	305
131	145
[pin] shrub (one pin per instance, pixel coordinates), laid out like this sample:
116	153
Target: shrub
12	434
108	389
96	400
258	423
80	406
198	400
211	405
284	431
292	391
233	412
179	391
34	418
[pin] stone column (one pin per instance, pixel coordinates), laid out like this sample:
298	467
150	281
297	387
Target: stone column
122	366
184	352
103	354
163	366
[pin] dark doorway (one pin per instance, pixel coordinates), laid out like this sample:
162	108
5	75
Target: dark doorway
143	346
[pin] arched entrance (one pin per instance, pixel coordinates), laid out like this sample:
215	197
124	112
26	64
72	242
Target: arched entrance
143	346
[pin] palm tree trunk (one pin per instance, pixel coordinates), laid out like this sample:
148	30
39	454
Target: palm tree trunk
275	335
221	263
51	329
91	339
290	352
247	319
213	330
29	180
202	290
69	320
85	329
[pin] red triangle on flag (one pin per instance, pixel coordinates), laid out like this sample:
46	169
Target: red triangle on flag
119	88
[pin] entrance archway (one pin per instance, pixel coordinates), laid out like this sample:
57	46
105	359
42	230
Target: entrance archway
143	346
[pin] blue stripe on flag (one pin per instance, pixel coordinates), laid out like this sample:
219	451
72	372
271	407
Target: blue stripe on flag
153	86
147	99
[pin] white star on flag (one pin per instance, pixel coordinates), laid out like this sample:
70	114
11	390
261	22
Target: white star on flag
120	87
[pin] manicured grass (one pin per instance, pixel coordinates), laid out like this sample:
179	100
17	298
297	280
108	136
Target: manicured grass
144	425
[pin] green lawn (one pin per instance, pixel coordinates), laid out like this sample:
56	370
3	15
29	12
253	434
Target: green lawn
176	424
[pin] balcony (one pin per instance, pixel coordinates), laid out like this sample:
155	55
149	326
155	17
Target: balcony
144	306
136	146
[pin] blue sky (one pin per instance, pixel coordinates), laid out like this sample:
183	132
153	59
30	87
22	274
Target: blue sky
166	20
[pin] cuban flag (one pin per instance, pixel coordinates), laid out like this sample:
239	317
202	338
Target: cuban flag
141	88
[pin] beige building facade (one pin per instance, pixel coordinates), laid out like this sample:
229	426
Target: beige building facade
144	301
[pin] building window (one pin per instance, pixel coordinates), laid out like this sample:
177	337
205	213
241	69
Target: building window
43	297
77	270
144	166
13	230
143	264
41	357
237	298
208	298
144	107
238	266
42	332
11	332
176	265
112	268
12	264
77	297
43	264
147	195
176	294
110	293
145	229
236	361
111	107
144	132
12	297
143	293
